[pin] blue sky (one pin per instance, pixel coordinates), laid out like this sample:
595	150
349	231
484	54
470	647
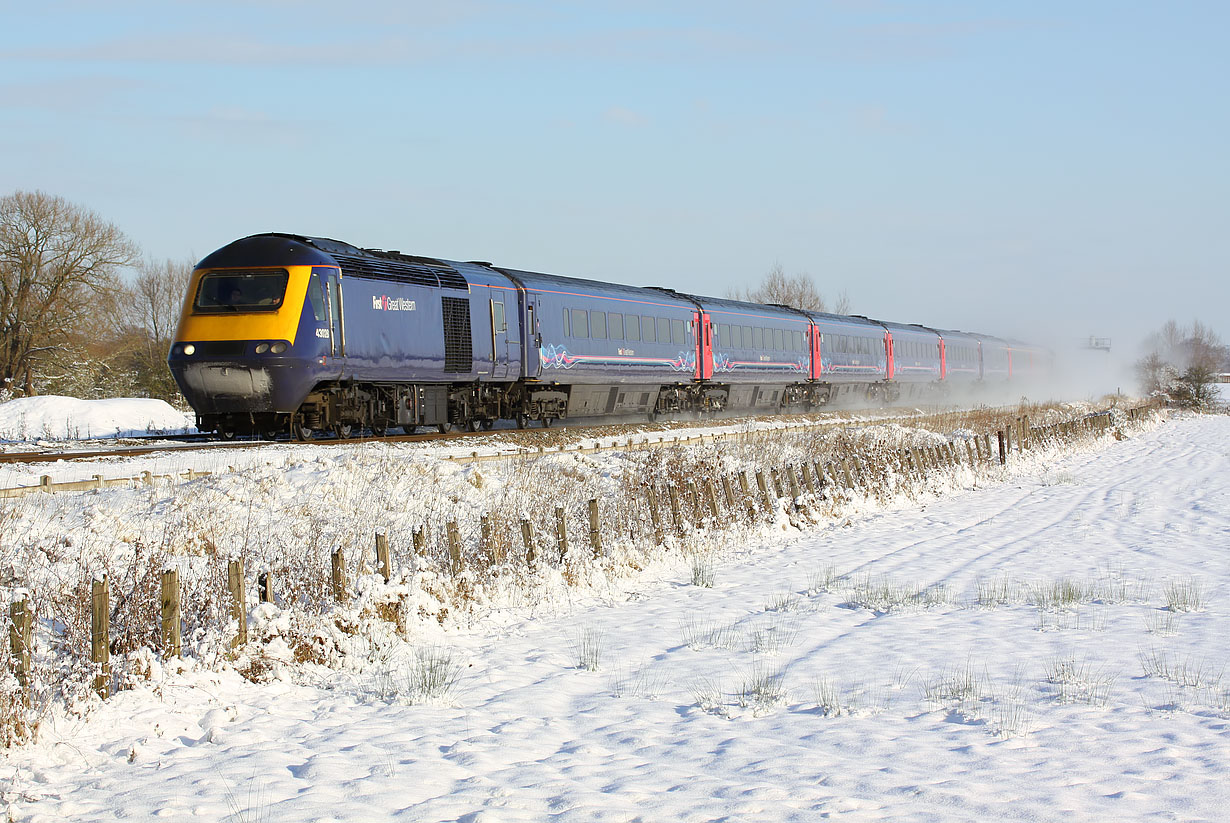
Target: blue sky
1052	169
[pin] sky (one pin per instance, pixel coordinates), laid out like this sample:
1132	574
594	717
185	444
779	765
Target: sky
1045	170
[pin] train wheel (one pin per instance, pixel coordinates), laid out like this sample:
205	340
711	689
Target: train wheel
488	425
226	434
523	421
380	431
302	433
342	431
547	421
271	434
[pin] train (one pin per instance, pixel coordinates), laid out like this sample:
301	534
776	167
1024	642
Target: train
290	334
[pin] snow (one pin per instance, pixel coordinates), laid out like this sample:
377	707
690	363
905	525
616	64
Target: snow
776	694
66	418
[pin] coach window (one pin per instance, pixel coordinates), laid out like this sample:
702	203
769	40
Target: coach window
677	332
580	323
597	325
615	324
777	340
758	338
724	335
632	327
664	330
647	329
798	341
567	324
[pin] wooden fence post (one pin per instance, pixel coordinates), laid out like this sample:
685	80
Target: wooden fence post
776	477
21	637
655	516
384	563
337	578
1003	448
484	533
764	490
807	481
676	516
747	496
264	582
454	547
239	601
100	634
845	473
561	532
420	547
728	492
860	471
793	480
711	498
171	627
527	539
595	534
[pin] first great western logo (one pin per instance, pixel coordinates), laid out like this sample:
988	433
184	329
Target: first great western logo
382	302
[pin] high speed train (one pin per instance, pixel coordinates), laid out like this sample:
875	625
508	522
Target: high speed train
283	333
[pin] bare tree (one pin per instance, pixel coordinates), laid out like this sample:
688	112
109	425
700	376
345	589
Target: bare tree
57	260
799	291
155	298
1183	363
151	308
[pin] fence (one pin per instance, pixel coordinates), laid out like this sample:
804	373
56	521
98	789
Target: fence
796	490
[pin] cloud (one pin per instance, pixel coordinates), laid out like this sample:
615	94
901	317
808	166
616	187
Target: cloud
69	94
625	117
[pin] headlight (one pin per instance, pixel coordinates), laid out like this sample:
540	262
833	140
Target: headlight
278	348
189	348
261	348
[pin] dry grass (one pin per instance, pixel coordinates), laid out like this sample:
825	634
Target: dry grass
54	552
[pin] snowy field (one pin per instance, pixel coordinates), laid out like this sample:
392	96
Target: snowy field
53	417
1049	644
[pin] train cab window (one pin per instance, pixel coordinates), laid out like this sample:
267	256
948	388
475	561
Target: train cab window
580	323
316	296
615	324
498	325
647	330
597	325
246	291
677	332
664	330
632	327
758	338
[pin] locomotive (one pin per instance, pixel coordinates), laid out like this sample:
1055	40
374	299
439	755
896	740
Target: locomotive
287	333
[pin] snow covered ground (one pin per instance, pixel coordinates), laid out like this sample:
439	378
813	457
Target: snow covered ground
52	417
1036	674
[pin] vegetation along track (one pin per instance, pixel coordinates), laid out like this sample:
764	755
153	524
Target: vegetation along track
513	441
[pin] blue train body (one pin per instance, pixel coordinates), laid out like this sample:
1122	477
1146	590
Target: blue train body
285	332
